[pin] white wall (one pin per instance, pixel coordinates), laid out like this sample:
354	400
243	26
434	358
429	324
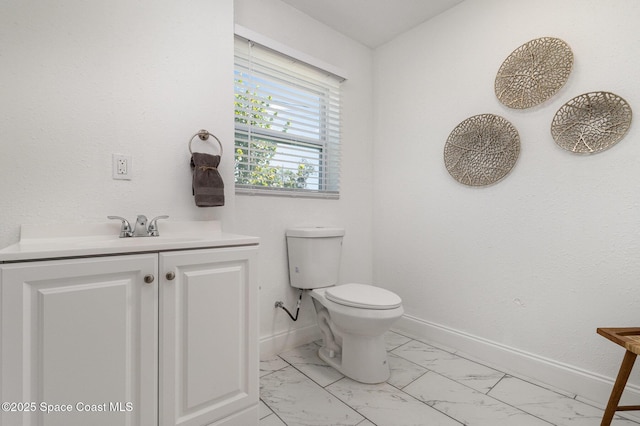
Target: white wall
83	80
538	261
268	217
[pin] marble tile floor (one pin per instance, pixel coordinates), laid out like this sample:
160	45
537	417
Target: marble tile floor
428	386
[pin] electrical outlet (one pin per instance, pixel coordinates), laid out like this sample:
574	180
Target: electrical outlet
122	167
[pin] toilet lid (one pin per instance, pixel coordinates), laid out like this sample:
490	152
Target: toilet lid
363	296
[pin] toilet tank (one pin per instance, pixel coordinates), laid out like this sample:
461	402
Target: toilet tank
314	256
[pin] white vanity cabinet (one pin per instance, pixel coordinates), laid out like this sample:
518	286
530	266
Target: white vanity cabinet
156	338
79	331
208	338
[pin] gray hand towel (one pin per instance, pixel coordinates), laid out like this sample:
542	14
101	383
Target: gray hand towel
208	188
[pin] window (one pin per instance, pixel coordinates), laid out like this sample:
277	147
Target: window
287	125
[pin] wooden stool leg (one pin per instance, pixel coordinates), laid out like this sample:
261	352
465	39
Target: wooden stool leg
618	387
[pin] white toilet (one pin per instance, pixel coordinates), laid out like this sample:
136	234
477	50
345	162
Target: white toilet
352	317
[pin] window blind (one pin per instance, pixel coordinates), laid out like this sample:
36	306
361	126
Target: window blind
287	125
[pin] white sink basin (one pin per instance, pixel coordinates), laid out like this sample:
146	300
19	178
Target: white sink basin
72	240
136	241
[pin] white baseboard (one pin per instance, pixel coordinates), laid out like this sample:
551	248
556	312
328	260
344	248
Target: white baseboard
288	339
575	382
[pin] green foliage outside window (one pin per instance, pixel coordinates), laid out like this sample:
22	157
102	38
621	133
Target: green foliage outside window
259	171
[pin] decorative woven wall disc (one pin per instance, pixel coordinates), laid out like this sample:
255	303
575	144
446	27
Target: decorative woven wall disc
533	72
591	122
481	150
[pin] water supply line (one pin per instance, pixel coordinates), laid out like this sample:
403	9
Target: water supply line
279	304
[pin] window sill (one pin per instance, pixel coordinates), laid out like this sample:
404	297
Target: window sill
281	192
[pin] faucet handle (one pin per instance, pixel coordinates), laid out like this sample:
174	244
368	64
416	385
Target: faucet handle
153	226
125	228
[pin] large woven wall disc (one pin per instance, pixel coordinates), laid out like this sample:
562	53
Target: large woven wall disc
591	122
534	72
481	150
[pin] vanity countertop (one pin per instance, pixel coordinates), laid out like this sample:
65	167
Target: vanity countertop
39	242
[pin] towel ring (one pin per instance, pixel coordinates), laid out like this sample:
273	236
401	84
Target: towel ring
204	135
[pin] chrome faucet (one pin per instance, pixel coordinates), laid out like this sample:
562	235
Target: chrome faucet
141	229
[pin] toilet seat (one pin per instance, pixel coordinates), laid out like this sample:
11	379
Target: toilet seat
363	296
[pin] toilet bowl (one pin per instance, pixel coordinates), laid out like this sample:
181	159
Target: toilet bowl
353	318
353	329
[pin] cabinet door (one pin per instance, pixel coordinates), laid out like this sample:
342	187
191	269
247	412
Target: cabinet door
79	338
208	336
